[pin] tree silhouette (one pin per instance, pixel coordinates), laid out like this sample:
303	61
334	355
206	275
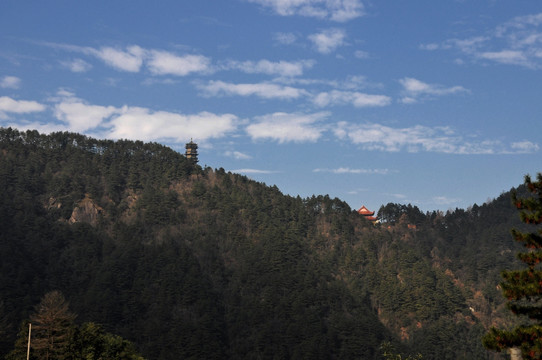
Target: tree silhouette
52	324
523	288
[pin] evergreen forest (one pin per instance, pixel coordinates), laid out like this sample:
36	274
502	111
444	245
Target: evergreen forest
161	258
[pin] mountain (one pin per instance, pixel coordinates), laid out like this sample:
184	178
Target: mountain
191	262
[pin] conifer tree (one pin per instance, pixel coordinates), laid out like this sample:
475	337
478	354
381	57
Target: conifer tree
52	324
523	288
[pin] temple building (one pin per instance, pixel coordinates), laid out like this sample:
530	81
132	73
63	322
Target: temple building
192	152
368	214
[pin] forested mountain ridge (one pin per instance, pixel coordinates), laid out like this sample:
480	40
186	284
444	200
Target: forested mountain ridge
199	263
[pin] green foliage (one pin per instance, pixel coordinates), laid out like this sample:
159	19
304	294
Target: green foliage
392	213
54	335
91	342
389	353
19	351
52	325
523	288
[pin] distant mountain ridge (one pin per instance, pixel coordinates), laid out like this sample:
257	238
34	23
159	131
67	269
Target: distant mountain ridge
191	262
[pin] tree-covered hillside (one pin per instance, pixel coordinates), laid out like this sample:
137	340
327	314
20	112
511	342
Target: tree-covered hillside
199	263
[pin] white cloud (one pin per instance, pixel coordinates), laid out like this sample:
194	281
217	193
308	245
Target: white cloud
285	127
253	171
345	10
9	105
414	89
408	100
358	82
125	122
525	147
77	65
328	40
148	125
139	123
166	63
335	10
360	54
430	47
515	42
263	90
44	128
79	115
237	155
285	38
519	23
444	200
357	99
159	62
10	82
418	138
347	170
355	82
280	68
134	58
396	195
506	57
129	60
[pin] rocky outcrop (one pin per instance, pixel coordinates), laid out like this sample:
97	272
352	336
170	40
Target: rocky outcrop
86	211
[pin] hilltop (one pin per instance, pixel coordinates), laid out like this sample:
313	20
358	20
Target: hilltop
192	262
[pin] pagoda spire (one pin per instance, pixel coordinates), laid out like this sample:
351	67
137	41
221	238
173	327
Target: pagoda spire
192	151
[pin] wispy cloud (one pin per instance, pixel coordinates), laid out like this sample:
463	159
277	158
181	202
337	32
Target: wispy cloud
515	42
328	40
357	99
288	127
418	138
130	59
160	62
77	65
278	68
360	54
414	90
396	196
254	171
335	10
10	82
263	90
285	38
135	58
238	155
167	63
347	170
512	57
445	200
526	147
351	83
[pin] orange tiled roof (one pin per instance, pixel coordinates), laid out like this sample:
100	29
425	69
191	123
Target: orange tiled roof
366	212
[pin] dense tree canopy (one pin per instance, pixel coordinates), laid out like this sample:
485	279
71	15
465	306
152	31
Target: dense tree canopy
190	262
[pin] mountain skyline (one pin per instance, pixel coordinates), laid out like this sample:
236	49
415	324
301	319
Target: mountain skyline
434	104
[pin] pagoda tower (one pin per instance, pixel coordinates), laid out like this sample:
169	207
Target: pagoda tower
192	152
368	214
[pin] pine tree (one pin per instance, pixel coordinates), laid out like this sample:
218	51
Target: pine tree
523	288
52	324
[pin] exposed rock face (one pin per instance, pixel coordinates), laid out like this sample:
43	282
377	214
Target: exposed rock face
86	211
53	204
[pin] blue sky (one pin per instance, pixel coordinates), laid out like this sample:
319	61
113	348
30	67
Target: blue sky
433	103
